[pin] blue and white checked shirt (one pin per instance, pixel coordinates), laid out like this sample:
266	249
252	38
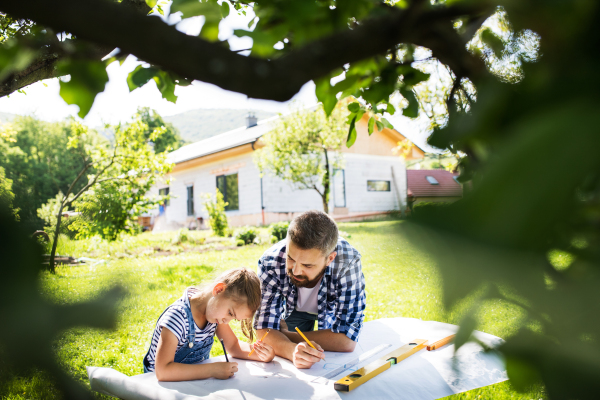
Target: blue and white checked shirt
341	299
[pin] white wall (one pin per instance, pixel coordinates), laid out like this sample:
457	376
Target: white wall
281	196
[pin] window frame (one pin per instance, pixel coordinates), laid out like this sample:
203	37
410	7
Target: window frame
224	192
190	200
389	185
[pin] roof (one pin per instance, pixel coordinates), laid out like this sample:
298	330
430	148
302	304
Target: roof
228	140
419	186
220	142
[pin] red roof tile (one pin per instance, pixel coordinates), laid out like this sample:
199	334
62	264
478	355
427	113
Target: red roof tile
418	186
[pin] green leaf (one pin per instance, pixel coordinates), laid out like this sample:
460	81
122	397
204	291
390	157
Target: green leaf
412	110
88	78
467	326
14	57
140	76
192	8
386	123
522	374
225	9
354	107
494	42
351	133
166	85
371	125
412	76
325	94
210	30
360	114
379	125
151	3
390	109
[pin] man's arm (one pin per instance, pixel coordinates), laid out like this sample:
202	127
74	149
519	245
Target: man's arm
301	354
330	341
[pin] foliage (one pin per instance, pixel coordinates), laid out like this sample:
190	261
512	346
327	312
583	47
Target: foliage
278	230
167	140
298	149
527	203
36	157
424	206
216	213
115	196
446	161
247	234
48	213
6	194
21	270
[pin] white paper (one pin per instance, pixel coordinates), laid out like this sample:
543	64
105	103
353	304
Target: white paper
424	375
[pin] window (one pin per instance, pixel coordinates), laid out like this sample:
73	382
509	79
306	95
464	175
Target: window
164	192
378	186
228	186
190	200
432	180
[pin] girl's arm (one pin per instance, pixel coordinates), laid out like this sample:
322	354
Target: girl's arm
168	370
239	349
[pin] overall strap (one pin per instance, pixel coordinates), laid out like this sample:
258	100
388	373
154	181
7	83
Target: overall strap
191	324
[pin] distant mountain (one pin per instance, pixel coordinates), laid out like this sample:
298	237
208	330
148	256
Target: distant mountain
200	124
6	117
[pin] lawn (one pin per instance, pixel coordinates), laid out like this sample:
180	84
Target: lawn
155	269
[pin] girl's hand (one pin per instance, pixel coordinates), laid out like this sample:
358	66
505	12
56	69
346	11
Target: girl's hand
264	352
224	370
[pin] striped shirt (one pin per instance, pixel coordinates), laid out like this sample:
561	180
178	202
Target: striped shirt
175	319
341	300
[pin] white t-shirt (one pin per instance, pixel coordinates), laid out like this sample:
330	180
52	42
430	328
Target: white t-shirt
307	299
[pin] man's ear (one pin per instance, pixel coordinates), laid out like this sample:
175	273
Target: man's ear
219	288
330	258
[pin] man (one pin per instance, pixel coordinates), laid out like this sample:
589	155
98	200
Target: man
311	275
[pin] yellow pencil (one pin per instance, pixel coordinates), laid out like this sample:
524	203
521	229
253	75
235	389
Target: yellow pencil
264	336
307	341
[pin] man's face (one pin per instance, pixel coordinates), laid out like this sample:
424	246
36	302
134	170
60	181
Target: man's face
306	267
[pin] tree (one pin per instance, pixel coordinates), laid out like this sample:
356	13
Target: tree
115	192
298	149
6	194
169	139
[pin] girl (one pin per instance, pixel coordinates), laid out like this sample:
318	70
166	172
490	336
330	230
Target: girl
192	322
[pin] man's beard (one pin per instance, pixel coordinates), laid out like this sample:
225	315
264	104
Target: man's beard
302	280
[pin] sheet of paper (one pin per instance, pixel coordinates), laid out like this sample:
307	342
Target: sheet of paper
424	375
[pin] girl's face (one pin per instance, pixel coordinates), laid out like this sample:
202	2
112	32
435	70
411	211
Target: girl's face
221	309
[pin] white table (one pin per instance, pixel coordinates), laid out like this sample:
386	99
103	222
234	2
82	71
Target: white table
424	375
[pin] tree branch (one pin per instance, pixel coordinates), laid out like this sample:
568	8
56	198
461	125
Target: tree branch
150	39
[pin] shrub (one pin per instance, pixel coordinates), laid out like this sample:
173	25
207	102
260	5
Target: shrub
216	214
278	230
247	234
182	236
429	205
239	243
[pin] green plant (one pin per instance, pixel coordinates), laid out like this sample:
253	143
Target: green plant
181	236
239	243
247	234
216	213
278	230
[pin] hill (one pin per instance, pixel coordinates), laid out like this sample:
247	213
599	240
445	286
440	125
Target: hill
6	117
195	125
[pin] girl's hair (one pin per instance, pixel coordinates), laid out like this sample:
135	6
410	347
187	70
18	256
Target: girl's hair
242	284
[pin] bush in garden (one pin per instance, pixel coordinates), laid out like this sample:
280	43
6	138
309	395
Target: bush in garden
247	234
216	214
278	231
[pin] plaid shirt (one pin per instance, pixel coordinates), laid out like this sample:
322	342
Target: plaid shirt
341	298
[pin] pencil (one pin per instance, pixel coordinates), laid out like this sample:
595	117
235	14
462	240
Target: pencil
224	351
440	343
307	341
264	336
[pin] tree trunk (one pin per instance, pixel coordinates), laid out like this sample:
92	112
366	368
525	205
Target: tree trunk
325	182
55	241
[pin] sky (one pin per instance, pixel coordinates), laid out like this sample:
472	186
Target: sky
116	104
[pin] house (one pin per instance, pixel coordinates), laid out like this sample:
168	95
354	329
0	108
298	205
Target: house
432	186
373	180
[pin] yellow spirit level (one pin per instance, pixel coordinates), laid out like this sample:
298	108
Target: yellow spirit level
367	372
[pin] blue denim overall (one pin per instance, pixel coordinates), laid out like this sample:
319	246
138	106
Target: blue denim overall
190	353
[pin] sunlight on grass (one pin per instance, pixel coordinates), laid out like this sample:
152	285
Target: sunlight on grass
401	282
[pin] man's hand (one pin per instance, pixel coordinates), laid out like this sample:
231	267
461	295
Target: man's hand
305	356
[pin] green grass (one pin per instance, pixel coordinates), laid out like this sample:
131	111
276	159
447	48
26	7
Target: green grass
401	282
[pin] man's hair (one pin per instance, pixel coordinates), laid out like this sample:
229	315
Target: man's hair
314	230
